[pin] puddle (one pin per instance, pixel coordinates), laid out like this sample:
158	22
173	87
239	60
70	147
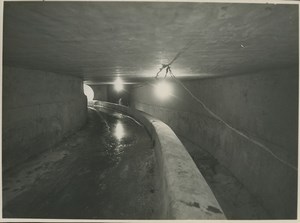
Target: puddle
107	175
119	131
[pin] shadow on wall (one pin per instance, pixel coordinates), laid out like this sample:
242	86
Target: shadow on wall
39	109
263	106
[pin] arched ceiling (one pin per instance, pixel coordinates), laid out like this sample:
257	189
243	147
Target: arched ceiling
101	40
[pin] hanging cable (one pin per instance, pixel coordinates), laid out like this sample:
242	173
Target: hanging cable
187	46
167	66
230	127
169	71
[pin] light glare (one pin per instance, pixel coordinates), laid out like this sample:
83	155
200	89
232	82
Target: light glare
119	131
118	84
88	91
163	90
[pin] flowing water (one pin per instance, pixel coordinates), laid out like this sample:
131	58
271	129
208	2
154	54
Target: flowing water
104	171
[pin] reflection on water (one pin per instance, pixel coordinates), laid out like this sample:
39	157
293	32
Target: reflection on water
119	130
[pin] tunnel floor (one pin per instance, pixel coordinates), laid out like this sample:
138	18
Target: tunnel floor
104	171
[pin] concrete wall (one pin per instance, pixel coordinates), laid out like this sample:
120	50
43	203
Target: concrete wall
113	96
108	93
100	92
39	108
183	191
264	106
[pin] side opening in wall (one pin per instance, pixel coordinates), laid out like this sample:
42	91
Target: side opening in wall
88	91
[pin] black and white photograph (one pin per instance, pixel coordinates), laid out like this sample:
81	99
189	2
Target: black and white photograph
149	110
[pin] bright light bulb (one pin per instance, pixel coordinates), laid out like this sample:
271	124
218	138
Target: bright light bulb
88	91
163	90
118	84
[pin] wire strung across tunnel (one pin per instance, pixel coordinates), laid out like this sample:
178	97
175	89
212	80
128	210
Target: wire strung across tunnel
167	67
230	127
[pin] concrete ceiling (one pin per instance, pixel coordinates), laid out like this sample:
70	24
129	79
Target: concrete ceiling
101	40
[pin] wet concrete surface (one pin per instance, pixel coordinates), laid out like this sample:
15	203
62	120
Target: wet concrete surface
104	171
236	201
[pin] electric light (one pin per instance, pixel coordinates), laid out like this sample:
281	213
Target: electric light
118	84
88	91
163	90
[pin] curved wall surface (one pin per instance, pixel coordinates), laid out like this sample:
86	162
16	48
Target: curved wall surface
183	191
263	106
39	109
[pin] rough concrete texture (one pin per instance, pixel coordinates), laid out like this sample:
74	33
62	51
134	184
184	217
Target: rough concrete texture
236	201
133	39
183	192
39	108
107	92
263	106
95	173
100	92
114	97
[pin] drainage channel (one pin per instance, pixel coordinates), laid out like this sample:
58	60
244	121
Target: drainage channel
104	171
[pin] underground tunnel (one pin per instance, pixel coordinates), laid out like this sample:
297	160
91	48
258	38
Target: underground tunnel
150	110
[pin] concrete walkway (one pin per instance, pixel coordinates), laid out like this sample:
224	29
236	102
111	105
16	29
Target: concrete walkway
236	201
106	170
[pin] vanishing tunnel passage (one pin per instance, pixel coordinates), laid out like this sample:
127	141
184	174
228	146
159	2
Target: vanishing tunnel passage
216	86
106	170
